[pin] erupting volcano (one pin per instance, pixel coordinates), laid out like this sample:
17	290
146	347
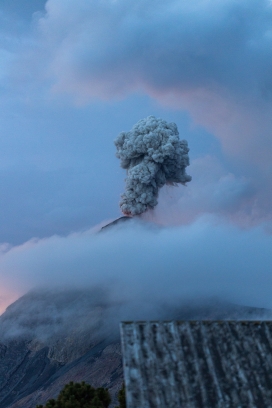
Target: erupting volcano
153	156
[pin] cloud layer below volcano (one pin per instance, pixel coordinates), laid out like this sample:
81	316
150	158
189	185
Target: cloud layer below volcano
148	266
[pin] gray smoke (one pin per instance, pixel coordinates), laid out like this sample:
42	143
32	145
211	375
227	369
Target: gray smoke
153	156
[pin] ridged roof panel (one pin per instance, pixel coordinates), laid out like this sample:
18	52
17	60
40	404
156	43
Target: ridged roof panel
198	364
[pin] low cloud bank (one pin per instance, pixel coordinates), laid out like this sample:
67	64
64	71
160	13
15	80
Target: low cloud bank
143	266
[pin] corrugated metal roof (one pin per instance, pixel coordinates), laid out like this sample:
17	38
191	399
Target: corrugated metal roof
198	364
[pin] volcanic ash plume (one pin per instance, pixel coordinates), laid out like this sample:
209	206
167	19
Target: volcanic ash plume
153	156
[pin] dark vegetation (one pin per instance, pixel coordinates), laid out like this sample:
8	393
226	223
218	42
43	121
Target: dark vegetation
80	395
83	395
122	397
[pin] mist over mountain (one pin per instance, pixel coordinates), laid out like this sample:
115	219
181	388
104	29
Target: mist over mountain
145	265
51	337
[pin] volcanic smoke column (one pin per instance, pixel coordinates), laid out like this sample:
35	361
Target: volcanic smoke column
153	156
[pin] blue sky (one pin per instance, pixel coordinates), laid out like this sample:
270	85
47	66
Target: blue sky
73	74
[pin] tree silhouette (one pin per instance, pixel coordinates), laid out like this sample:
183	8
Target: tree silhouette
80	395
122	397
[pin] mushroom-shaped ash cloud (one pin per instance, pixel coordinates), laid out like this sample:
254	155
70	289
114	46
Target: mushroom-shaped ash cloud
153	155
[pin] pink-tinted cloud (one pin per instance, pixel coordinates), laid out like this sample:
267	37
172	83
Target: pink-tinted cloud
208	57
8	291
214	191
111	47
7	296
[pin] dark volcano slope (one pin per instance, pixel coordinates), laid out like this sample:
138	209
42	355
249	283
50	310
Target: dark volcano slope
48	338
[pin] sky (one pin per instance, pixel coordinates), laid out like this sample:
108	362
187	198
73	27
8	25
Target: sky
75	73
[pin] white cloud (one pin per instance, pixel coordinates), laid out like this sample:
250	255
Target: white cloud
148	266
213	191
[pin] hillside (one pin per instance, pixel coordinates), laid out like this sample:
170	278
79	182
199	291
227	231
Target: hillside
49	338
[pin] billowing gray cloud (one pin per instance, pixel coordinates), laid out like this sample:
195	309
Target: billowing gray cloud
154	156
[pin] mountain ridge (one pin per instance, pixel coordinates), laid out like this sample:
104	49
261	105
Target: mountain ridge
51	337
